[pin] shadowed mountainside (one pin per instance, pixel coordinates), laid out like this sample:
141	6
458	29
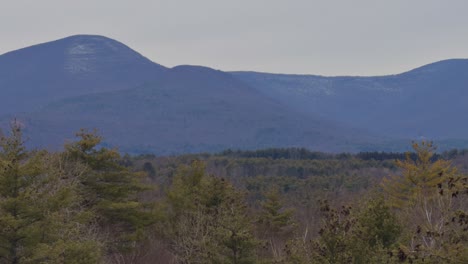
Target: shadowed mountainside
190	109
76	65
87	81
429	101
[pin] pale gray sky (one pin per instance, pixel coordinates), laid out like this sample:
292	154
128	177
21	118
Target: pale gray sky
328	37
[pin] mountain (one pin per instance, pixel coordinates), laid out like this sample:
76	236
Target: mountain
88	81
427	102
73	66
189	109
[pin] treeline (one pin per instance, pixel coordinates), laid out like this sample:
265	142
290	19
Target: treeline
278	153
305	154
88	204
77	206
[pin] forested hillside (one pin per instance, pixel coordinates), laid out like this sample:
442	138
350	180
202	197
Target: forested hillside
88	81
424	102
89	204
83	64
191	109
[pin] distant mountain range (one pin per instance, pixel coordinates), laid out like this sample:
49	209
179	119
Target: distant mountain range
427	102
88	81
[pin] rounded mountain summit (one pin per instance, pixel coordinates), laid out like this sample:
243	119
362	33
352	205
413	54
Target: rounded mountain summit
34	76
88	81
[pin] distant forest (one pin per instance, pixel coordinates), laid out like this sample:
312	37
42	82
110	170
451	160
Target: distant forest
91	204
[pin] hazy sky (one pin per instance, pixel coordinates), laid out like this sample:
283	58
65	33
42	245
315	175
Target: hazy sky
328	37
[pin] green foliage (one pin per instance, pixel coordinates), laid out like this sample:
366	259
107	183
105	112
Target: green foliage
110	191
273	218
148	168
419	177
336	235
349	236
378	225
85	205
275	225
207	219
39	214
431	199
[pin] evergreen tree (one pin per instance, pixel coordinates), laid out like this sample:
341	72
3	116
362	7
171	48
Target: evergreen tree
110	191
148	168
377	224
39	216
430	196
207	219
275	224
419	176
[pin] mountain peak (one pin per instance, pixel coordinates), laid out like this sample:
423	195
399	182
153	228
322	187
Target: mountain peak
442	66
87	37
70	66
76	50
89	44
89	53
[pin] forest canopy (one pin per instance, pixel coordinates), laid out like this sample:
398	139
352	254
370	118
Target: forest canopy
90	204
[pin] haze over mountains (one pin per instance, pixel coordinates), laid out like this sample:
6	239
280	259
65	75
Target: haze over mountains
77	65
87	81
429	101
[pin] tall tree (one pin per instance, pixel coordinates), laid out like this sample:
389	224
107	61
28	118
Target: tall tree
430	196
110	191
419	176
275	224
207	219
39	217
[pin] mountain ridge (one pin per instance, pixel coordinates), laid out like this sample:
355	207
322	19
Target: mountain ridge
443	61
396	105
67	67
96	82
186	112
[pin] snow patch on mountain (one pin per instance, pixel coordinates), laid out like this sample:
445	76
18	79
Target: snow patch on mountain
81	49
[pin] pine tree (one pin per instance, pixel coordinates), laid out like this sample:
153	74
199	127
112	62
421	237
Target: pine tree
207	220
430	195
39	218
110	191
275	224
419	177
377	224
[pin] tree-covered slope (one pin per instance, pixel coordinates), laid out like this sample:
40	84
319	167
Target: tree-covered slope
429	101
34	76
90	81
190	109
